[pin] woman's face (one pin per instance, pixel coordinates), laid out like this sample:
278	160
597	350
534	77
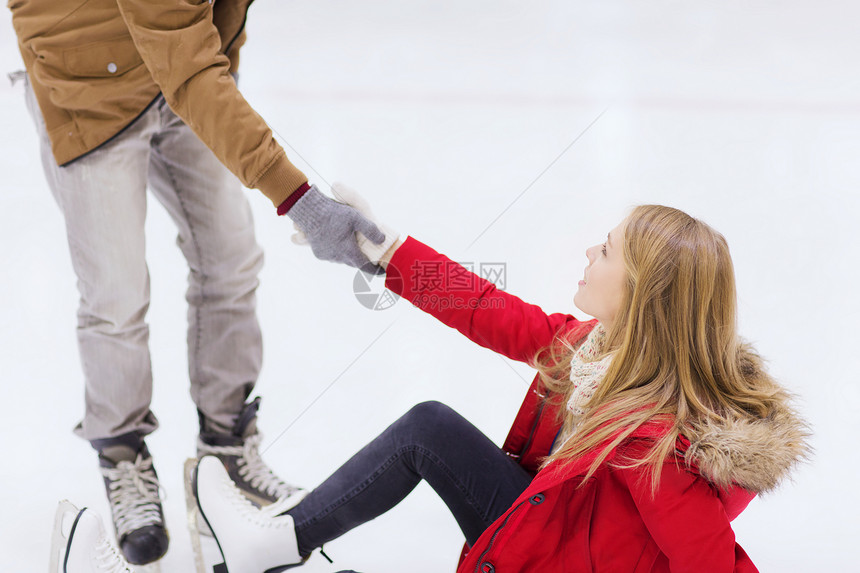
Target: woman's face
602	287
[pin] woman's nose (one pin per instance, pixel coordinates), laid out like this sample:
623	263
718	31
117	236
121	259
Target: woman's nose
590	253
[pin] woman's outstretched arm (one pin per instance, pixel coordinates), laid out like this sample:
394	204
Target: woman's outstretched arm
456	296
474	306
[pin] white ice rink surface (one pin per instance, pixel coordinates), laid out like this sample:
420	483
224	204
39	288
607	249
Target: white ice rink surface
447	116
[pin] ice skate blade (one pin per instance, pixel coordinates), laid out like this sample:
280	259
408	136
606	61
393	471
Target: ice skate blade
192	516
64	520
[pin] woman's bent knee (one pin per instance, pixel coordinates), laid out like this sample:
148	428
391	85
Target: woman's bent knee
429	413
429	426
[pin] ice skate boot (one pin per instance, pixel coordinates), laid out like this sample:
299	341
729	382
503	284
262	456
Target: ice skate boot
133	491
250	540
239	451
79	544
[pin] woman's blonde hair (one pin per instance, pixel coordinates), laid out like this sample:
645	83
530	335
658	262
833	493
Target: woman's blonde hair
676	354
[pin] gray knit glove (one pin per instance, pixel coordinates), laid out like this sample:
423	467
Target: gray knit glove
330	228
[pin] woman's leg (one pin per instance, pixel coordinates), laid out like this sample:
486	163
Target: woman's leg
473	476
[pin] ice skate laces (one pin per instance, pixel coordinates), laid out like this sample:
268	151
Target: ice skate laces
248	510
108	559
133	495
251	466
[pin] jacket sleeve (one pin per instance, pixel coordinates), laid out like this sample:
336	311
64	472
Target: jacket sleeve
687	521
181	48
472	305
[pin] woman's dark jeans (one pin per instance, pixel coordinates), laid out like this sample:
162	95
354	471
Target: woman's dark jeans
476	480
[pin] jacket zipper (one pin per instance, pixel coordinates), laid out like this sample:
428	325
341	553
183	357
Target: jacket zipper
522	453
495	534
242	27
533	430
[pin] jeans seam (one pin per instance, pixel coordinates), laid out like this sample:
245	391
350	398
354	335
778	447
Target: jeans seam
194	365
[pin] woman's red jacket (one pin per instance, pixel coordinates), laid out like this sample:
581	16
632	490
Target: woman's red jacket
611	523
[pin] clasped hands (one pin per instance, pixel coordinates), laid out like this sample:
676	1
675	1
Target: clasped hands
342	229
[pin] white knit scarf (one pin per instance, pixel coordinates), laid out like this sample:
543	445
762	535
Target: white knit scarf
586	372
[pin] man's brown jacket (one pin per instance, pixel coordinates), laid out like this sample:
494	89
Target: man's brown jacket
96	65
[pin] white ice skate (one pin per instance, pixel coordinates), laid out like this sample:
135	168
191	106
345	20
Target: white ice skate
79	544
249	539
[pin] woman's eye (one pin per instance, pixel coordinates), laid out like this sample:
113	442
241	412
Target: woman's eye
603	249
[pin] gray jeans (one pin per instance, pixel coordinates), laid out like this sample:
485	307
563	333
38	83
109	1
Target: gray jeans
473	476
103	199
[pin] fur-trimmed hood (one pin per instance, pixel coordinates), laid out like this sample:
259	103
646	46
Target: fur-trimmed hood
753	453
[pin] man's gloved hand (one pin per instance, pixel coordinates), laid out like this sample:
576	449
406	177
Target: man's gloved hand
330	228
373	250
